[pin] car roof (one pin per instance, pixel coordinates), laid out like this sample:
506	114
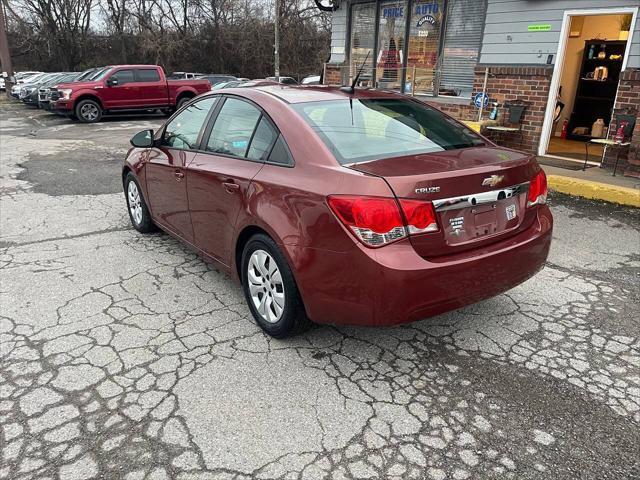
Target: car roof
319	93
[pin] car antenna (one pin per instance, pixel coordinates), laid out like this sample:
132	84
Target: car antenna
352	88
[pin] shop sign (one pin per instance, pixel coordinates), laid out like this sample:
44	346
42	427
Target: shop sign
427	9
393	12
426	19
544	27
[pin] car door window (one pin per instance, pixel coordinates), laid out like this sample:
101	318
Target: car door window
182	132
233	128
147	75
262	140
123	76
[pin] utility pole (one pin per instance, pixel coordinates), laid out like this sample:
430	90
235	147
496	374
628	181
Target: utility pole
277	42
5	56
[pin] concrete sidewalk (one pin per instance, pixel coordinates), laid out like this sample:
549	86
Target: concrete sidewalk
595	183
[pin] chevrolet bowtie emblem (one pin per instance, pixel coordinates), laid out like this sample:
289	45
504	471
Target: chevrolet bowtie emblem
493	180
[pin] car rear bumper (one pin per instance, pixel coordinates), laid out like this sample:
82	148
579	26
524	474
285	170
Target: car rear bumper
394	285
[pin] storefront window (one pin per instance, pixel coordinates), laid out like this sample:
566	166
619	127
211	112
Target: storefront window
391	44
439	56
462	41
363	31
424	42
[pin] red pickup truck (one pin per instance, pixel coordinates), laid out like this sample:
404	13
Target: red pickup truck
121	88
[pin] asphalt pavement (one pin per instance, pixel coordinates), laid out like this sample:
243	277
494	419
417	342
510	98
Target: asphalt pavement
126	356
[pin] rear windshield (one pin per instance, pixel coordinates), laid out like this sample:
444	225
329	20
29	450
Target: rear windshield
362	130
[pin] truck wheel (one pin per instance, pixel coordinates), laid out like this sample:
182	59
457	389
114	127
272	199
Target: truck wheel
181	102
88	111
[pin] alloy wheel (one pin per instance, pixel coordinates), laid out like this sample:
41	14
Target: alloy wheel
265	286
89	111
135	203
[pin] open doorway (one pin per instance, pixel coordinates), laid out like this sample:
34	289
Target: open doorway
592	53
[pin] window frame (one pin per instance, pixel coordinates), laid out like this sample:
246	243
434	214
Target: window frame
409	5
116	72
160	134
206	133
137	79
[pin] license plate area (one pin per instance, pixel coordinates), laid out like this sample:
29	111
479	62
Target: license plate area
466	225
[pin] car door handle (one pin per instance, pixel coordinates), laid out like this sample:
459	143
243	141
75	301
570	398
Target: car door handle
179	175
231	187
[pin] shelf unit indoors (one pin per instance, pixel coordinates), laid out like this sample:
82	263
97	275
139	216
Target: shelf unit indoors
595	98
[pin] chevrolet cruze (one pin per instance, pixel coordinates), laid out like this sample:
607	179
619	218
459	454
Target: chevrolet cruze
340	206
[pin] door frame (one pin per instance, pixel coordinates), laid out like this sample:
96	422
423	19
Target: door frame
547	125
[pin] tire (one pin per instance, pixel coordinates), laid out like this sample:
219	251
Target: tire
181	102
88	111
136	206
262	288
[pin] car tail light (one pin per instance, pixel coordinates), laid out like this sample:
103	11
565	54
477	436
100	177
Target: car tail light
377	221
421	216
537	190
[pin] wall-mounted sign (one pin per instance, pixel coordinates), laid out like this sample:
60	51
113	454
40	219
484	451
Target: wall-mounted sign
426	19
543	27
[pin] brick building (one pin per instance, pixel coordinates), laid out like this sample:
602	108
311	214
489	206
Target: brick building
583	55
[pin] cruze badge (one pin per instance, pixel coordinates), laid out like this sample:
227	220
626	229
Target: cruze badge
493	180
427	190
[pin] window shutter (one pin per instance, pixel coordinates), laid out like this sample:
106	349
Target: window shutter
462	41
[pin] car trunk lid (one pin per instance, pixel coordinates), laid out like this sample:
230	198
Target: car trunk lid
479	194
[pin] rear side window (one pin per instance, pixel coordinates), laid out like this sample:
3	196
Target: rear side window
147	75
280	153
123	76
233	128
182	132
262	140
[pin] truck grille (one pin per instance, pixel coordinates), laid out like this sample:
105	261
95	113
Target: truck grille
55	95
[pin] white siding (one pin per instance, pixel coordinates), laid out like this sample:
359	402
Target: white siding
510	18
339	33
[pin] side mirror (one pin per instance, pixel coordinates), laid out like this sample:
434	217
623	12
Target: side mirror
143	139
112	82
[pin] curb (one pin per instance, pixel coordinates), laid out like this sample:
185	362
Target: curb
594	190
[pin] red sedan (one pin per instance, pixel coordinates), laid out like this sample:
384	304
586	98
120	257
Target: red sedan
338	206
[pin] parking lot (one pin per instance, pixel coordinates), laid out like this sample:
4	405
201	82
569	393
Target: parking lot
126	356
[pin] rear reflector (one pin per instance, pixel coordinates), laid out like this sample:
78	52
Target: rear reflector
537	190
377	221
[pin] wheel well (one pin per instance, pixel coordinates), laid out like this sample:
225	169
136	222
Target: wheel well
88	97
243	238
125	171
186	94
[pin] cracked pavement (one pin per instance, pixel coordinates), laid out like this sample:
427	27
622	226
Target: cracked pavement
126	356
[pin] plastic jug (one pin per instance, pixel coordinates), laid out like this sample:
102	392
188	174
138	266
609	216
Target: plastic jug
598	128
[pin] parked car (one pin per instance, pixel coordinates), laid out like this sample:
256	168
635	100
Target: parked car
183	75
215	79
312	80
3	85
44	92
15	89
343	207
284	80
233	83
123	88
29	90
22	77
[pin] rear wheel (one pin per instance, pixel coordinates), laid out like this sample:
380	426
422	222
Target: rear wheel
181	102
88	111
270	289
